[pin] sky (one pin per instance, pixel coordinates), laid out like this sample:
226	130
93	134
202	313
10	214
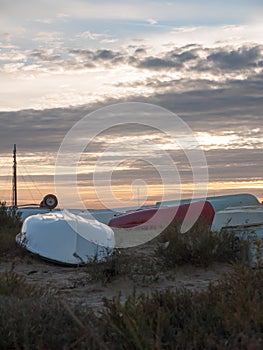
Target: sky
61	60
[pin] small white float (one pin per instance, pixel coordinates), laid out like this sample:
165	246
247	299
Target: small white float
66	238
247	224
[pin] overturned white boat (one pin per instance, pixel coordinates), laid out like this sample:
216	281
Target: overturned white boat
219	202
67	238
245	223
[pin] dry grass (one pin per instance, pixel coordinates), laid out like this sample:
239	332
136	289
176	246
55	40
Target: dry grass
34	318
226	316
196	247
132	263
10	225
12	284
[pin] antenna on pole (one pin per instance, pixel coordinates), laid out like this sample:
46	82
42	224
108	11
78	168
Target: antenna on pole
14	199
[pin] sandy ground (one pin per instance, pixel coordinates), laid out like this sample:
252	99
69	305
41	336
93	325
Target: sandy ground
137	269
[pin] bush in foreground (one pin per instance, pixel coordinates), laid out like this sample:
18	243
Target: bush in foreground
34	318
10	225
197	247
12	284
226	316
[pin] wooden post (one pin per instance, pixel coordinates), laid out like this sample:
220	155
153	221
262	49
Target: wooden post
14	178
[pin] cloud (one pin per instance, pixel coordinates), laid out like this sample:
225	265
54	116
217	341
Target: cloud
140	51
94	56
44	20
134	71
105	55
234	164
103	38
188	63
152	21
172	59
158	63
42	55
241	58
38	129
12	56
204	97
207	59
109	41
48	37
92	36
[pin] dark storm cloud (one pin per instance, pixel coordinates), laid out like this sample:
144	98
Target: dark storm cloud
44	130
223	165
172	59
190	58
121	177
157	63
237	59
45	55
235	165
233	98
71	59
97	55
237	106
105	55
35	130
82	52
204	59
83	58
140	51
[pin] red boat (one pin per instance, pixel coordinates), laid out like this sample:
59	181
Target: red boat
201	210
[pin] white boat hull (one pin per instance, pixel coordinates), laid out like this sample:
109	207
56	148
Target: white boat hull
253	236
220	202
245	223
66	238
237	216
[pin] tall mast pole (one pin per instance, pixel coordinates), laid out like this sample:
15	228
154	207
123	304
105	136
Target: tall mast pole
14	178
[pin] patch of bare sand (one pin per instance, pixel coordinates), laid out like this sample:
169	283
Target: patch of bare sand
136	269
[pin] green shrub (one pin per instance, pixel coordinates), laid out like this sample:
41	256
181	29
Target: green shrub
9	217
198	246
10	225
